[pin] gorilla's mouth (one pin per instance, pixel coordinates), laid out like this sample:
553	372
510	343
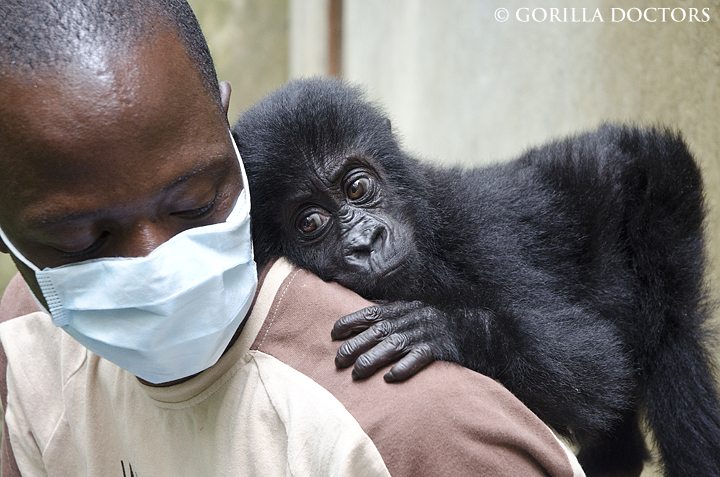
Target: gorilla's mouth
392	268
388	260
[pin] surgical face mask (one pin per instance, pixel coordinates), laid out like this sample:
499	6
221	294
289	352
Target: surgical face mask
167	315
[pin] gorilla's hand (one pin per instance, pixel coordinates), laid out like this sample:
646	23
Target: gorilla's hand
410	333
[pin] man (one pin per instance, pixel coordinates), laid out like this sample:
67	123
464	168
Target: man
135	341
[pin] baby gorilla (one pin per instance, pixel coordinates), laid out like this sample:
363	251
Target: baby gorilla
573	274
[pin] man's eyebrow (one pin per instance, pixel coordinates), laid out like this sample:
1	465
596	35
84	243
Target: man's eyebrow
46	219
198	170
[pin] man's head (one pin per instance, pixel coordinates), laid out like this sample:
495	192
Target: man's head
113	130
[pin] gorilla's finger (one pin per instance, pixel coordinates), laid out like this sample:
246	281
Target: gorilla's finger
354	347
356	322
363	319
418	357
390	349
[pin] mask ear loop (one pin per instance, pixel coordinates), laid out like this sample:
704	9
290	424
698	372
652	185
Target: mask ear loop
246	186
38	275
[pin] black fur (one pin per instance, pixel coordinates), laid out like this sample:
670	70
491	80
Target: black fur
573	274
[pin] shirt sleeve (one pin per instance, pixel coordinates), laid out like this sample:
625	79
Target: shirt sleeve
16	301
446	420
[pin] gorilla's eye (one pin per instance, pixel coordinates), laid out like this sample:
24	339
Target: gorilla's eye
312	222
358	188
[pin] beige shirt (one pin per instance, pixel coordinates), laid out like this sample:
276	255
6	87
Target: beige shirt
249	414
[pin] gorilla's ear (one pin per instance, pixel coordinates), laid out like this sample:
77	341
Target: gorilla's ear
388	124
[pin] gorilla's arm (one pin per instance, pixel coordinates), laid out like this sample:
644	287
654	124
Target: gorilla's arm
562	362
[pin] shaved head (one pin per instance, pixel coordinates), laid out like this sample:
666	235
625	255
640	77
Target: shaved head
39	37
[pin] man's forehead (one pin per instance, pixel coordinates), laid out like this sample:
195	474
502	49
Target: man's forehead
137	80
129	97
115	124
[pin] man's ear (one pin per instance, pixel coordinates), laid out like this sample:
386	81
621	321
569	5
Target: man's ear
225	95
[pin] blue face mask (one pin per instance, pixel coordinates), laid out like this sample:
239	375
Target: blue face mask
167	315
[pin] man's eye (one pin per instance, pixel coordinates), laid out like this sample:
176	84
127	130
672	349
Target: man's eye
196	213
87	251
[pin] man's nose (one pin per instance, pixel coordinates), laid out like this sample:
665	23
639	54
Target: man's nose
145	237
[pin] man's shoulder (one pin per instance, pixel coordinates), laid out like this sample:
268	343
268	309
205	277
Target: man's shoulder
319	432
38	355
35	355
446	420
17	300
25	330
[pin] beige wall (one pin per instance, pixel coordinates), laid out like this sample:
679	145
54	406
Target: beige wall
7	270
248	40
308	36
